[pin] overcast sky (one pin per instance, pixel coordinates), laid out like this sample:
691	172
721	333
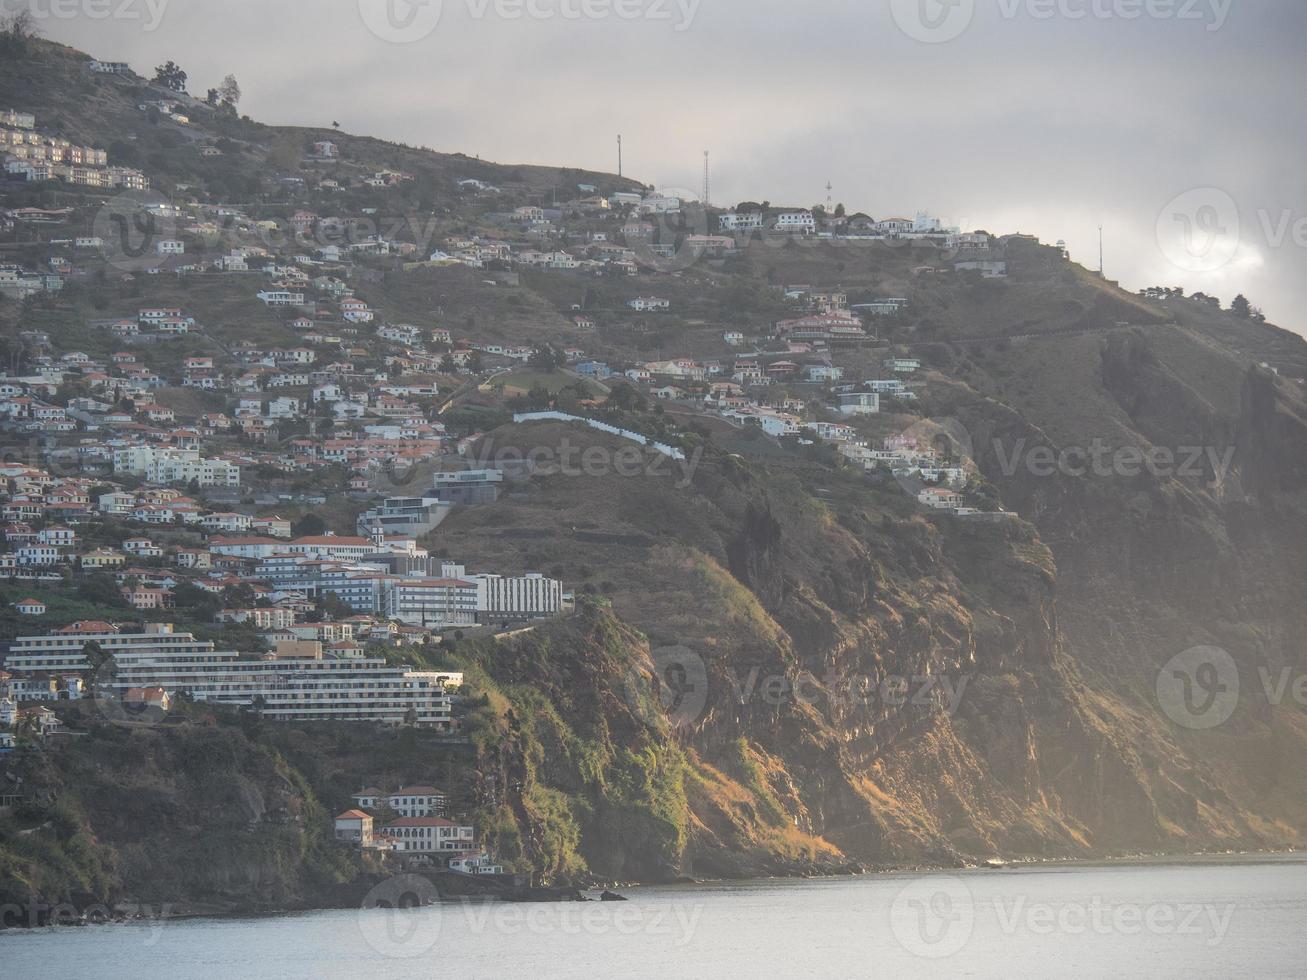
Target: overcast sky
1176	124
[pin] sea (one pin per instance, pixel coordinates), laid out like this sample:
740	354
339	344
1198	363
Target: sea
1209	917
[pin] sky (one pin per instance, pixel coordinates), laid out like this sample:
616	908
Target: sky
1176	125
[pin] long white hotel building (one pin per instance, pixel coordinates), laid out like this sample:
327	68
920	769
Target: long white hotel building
301	686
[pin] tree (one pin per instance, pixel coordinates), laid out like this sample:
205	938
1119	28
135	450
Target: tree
170	76
543	359
94	654
1240	307
308	526
17	29
101	589
229	93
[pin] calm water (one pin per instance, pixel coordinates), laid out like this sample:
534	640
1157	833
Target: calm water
1235	918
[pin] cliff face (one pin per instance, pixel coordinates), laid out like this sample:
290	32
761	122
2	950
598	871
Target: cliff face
1005	676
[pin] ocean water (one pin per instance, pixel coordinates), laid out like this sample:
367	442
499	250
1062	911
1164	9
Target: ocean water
1222	918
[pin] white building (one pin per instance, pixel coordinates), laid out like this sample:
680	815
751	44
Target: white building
739	221
430	834
796	222
859	403
280	297
156	465
303	686
432	602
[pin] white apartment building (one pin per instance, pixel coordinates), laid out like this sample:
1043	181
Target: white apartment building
432	602
739	221
156	465
796	222
530	596
428	834
307	687
418	801
280	297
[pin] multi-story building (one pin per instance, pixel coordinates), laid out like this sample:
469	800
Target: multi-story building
430	834
157	465
530	596
404	515
739	221
469	486
297	687
432	602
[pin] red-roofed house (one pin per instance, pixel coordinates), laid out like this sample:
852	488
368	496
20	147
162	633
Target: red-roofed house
354	826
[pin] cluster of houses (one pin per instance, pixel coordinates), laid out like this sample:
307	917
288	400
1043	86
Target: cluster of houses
384	574
411	823
35	156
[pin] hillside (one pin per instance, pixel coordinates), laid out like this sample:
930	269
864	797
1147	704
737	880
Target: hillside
878	684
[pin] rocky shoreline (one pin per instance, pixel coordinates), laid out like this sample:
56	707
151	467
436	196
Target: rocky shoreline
423	888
